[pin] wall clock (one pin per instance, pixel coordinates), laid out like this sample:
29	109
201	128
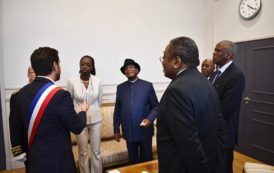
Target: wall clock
248	9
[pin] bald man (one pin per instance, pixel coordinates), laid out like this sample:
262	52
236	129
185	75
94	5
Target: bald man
208	67
31	74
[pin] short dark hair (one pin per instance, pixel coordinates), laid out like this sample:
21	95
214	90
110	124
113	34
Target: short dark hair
186	49
42	60
93	72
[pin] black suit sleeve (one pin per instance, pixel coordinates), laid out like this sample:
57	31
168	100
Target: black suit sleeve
16	128
154	104
75	122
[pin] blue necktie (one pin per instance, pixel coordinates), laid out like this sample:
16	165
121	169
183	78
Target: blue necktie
218	73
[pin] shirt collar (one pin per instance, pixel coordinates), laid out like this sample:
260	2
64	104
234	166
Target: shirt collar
181	71
132	81
224	67
46	78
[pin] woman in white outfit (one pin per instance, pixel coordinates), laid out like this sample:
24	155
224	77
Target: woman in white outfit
87	87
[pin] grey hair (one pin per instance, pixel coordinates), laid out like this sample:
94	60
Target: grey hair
231	48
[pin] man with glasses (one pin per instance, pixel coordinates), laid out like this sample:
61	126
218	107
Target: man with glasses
135	110
191	132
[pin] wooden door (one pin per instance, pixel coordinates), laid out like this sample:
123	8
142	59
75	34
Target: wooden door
256	127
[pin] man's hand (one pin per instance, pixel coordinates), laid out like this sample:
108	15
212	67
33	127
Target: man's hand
84	106
117	137
145	123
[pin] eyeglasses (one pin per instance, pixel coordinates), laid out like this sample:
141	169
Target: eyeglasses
161	59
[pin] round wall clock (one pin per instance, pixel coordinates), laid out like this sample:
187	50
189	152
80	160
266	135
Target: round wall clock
248	9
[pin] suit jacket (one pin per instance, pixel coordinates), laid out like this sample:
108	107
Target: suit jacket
93	94
51	147
19	142
189	126
135	102
230	86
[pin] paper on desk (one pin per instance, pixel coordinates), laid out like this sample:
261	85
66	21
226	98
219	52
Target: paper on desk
114	171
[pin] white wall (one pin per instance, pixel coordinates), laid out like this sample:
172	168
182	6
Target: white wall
110	31
228	24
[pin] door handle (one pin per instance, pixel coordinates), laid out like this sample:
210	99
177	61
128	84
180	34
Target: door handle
247	99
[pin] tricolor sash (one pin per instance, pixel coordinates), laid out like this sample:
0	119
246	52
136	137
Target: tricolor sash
38	107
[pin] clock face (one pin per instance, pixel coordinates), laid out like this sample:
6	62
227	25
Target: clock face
249	8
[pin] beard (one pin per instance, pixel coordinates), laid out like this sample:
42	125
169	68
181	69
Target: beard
57	76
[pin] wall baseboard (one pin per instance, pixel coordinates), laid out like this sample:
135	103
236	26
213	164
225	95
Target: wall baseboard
109	95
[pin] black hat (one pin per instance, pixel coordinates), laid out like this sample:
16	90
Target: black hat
129	62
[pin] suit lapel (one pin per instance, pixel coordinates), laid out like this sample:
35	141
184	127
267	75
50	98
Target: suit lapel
94	83
223	75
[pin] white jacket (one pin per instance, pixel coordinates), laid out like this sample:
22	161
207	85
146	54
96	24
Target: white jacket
93	94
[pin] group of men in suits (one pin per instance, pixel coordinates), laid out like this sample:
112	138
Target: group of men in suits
198	118
196	126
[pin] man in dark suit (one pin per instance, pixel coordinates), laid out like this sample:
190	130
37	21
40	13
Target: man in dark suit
229	83
18	142
135	110
190	128
47	118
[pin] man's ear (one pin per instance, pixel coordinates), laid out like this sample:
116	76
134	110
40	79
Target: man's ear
177	62
230	55
55	66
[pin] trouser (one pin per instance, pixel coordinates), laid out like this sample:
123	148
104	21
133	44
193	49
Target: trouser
91	132
140	151
230	157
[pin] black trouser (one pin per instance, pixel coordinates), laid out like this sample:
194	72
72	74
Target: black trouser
140	151
230	157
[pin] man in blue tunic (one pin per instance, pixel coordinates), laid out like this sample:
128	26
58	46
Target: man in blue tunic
135	110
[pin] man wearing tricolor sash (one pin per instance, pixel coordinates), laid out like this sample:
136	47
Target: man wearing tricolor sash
47	116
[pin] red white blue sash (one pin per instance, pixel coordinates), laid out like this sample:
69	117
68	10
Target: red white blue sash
38	107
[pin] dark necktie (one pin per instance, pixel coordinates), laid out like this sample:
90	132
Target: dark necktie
218	73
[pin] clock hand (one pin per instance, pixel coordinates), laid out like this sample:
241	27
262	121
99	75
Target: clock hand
251	7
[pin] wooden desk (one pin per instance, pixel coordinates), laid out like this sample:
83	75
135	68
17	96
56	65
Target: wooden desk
150	166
